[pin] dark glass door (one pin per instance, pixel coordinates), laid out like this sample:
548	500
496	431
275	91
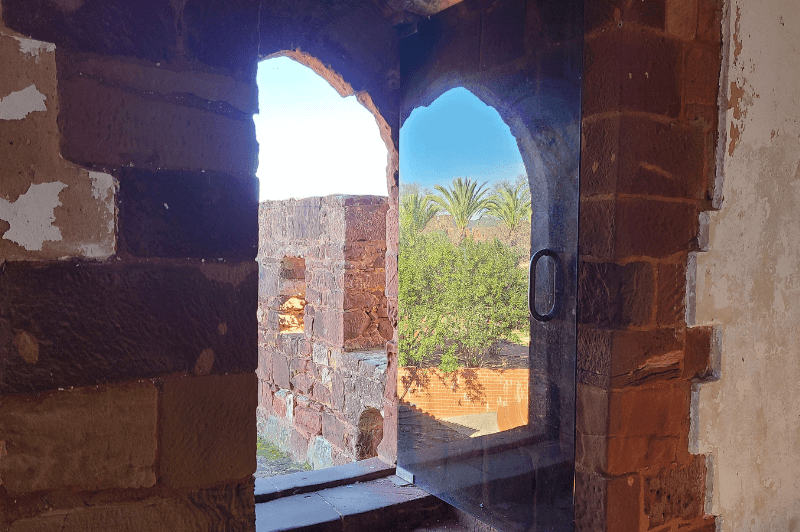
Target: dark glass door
487	306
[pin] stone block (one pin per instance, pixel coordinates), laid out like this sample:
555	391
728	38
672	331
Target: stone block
615	295
632	71
650	13
709	22
671	294
600	155
202	87
619	359
597	228
681	18
280	371
145	31
338	432
660	159
83	438
701	76
229	507
280	402
675	493
308	419
298	445
208	433
502	34
655	228
102	125
366	222
601	14
181	214
697	359
302	383
653	411
627	455
142	306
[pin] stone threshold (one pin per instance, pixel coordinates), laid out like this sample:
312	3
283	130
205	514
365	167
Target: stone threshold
364	495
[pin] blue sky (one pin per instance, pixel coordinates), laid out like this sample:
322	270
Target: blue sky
457	136
313	142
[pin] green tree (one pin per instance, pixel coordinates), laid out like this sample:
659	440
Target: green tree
416	211
463	200
511	205
457	301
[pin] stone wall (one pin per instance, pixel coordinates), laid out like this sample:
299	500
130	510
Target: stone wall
326	374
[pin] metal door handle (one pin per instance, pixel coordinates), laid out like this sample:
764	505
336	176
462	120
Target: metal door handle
532	284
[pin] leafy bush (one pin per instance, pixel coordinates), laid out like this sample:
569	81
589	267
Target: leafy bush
457	301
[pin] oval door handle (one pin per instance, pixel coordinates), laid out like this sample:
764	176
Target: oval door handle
532	284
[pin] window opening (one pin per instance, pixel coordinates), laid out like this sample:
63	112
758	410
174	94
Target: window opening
323	321
486	322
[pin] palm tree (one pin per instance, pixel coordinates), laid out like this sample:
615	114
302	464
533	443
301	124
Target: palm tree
463	201
511	205
416	210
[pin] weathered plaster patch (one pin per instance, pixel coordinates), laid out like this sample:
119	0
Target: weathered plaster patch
31	217
33	47
20	104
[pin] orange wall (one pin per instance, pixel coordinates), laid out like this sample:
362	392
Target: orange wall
465	391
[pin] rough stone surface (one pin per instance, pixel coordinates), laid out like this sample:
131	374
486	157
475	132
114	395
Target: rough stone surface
329	251
159	214
207	432
162	319
677	493
229	507
84	438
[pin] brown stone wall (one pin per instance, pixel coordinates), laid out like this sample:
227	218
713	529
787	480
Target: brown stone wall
316	383
647	171
128	229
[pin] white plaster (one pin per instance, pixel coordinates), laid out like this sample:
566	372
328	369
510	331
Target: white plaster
748	282
33	47
20	104
31	217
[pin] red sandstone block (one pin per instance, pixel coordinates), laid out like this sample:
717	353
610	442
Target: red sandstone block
697	358
614	295
603	503
208	430
671	294
104	125
339	433
709	21
308	419
85	438
681	18
661	159
701	76
675	493
228	507
707	523
630	70
650	13
627	455
652	411
652	228
597	229
602	13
